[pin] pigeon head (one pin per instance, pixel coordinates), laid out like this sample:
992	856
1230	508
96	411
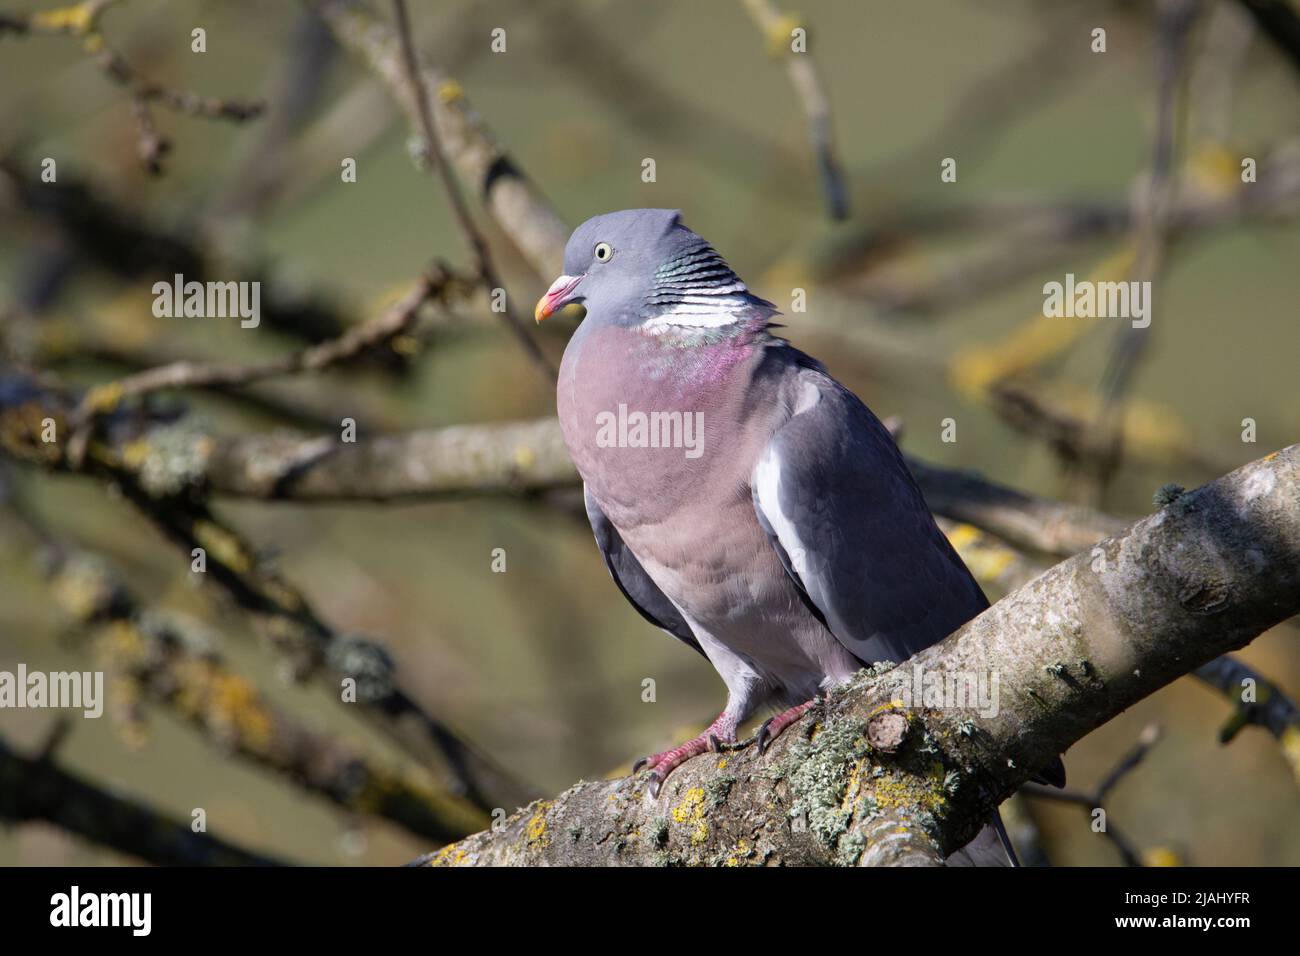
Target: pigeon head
642	266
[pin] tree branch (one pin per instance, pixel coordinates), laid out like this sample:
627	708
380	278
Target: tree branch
1269	707
1070	651
487	270
37	789
777	30
167	661
518	207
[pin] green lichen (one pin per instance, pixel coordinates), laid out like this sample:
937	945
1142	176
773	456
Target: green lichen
171	459
850	849
659	832
824	769
1167	494
718	789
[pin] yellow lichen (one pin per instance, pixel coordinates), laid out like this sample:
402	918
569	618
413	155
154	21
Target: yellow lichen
741	851
690	812
780	31
134	453
223	546
1291	749
453	854
449	91
1161	856
78	18
525	457
104	398
986	559
535	831
235	703
853	786
895	790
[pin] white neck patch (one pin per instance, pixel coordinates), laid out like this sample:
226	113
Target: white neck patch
700	312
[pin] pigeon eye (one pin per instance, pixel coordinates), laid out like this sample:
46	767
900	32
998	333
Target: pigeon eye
604	252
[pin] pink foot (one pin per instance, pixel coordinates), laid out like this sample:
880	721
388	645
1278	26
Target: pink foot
773	726
721	731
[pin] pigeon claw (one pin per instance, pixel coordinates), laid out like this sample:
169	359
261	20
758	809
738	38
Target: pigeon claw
772	727
720	735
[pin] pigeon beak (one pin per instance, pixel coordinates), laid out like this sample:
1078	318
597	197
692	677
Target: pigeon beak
557	296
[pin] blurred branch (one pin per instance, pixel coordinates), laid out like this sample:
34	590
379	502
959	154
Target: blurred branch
164	659
1026	521
119	240
884	265
1095	800
530	457
989	104
640	98
359	339
521	211
1060	415
1280	23
1268	707
37	789
513	458
510	458
82	20
1175	20
151	470
1074	648
272	164
994	563
777	29
432	150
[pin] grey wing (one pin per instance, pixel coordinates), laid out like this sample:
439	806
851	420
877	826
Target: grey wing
641	592
833	494
853	531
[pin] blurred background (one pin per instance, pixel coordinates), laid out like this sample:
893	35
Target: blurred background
926	299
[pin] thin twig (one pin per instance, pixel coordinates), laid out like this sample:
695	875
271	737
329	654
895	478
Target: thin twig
1176	18
184	374
519	208
473	237
776	28
37	789
82	20
383	328
166	660
1271	707
1095	799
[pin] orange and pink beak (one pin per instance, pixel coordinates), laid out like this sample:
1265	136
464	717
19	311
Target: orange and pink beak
557	296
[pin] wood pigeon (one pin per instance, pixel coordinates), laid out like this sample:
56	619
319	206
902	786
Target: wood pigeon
744	500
